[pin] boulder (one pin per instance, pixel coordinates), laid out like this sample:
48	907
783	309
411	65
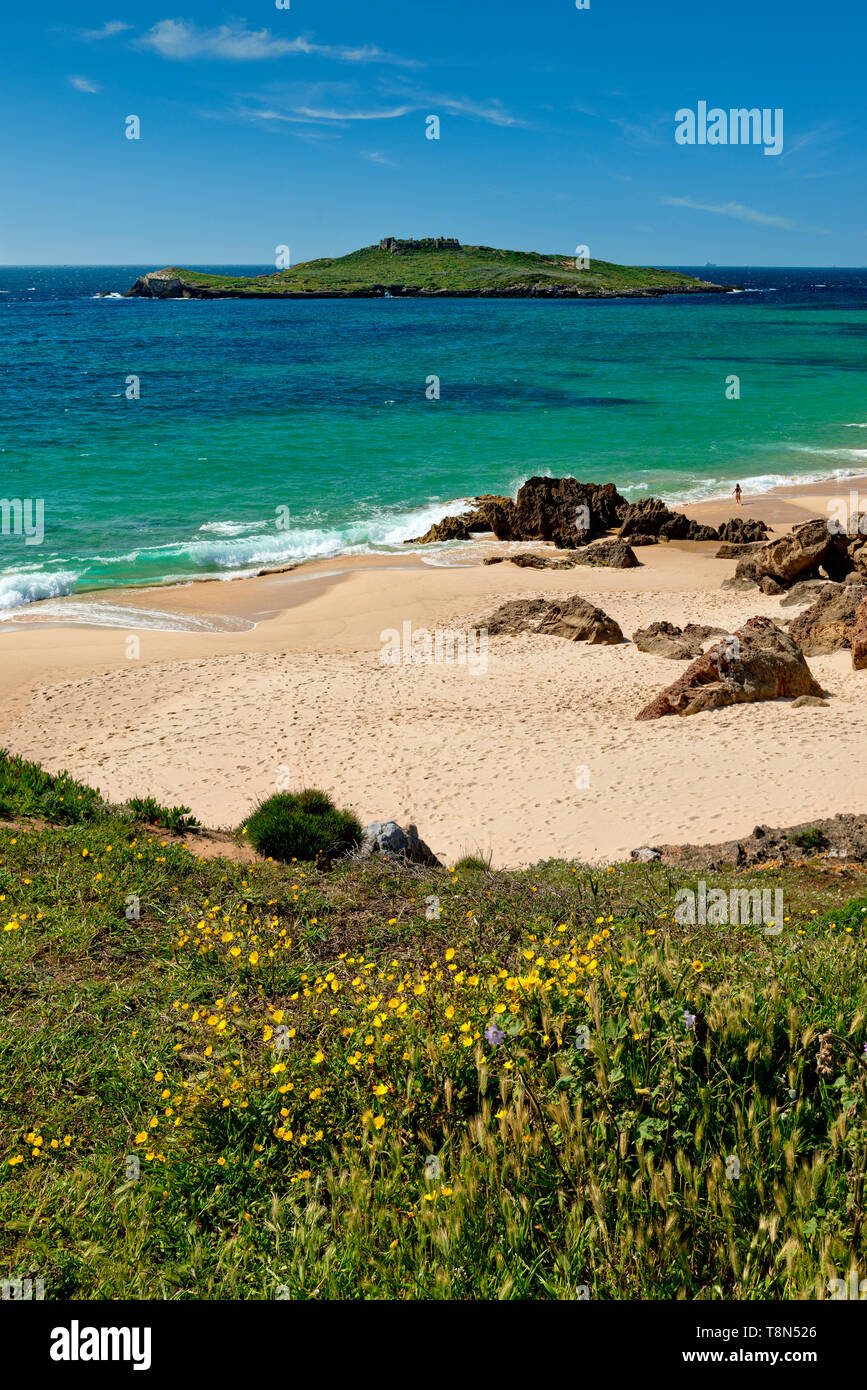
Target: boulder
857	551
733	550
533	560
566	511
642	539
386	838
758	662
803	700
742	530
770	586
807	591
680	644
451	528
611	552
651	517
158	284
858	638
571	617
562	510
826	626
498	514
739	581
798	555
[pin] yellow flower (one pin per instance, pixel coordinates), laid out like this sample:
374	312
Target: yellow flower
378	1122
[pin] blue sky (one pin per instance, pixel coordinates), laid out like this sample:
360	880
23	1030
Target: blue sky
306	126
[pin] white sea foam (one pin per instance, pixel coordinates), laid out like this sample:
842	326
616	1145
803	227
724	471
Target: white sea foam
232	528
29	586
86	612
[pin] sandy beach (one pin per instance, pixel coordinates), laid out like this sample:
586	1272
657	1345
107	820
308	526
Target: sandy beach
537	756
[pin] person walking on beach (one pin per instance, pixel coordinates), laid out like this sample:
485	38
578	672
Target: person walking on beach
737	493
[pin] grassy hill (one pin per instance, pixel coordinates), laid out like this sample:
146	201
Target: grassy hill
469	270
156	1142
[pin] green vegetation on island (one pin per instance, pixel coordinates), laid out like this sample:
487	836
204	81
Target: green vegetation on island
249	1080
428	268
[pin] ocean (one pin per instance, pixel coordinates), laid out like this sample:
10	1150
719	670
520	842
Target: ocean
173	440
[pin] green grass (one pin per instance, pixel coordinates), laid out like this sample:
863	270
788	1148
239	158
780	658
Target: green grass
469	270
224	1081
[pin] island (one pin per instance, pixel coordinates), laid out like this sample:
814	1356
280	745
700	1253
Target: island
437	267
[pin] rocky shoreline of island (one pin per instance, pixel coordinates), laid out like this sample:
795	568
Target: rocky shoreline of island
159	285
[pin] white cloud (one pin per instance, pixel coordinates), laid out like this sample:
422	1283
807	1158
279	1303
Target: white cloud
739	211
491	111
333	115
312	114
174	39
108	30
376	158
84	84
307	115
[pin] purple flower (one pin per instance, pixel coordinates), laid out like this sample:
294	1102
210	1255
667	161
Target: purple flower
688	1018
495	1036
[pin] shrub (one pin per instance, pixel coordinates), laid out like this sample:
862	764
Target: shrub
301	826
813	838
173	818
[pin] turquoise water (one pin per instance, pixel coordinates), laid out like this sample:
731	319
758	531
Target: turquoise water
266	433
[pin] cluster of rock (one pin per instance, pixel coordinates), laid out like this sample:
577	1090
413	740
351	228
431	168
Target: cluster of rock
841	837
571	514
610	552
758	662
812	550
649	520
812	564
836	621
